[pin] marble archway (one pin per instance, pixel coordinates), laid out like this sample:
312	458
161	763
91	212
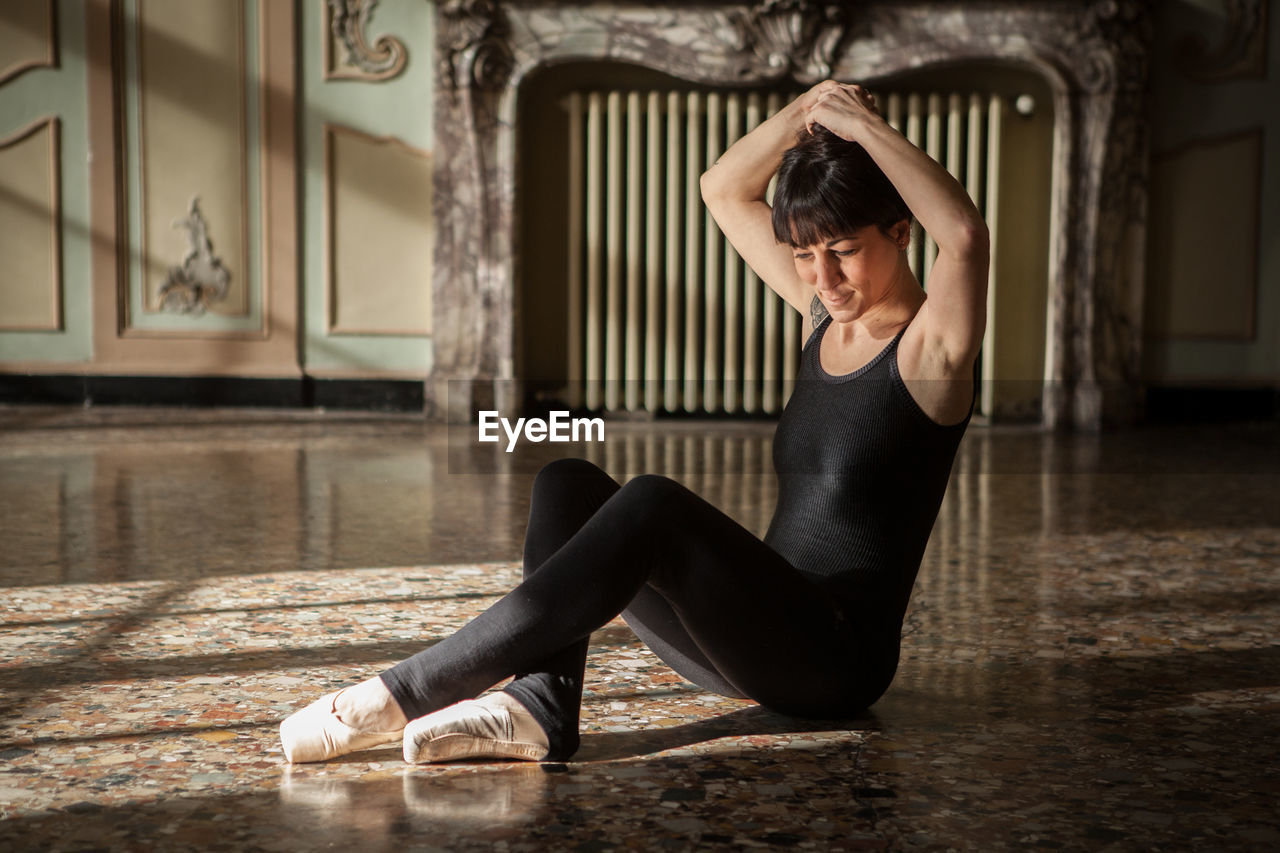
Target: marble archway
1094	55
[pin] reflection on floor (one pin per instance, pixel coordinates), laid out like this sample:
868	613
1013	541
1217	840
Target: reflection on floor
1091	660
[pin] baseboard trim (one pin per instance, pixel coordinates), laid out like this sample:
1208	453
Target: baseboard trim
1208	404
382	395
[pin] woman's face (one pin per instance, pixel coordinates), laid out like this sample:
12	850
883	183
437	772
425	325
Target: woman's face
853	272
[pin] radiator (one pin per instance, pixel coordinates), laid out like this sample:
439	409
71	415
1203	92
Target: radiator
663	315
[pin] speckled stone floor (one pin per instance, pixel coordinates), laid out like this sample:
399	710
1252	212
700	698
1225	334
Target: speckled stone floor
1091	661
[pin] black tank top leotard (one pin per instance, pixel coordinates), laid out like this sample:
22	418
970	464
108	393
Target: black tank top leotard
861	474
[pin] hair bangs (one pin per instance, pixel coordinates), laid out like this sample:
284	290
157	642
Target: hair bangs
817	207
828	188
806	221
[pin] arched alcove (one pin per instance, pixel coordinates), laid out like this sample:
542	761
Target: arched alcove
1093	56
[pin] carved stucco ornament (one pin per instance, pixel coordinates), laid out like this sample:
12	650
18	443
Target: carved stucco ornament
795	37
477	52
1111	31
349	21
1242	51
202	279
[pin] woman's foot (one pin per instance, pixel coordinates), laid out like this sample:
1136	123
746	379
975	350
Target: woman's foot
494	726
358	717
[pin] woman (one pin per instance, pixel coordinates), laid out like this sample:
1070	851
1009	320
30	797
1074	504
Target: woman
806	622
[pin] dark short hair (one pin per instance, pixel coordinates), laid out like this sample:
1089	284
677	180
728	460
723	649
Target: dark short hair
829	187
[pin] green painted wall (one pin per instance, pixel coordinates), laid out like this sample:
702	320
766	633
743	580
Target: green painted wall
1183	112
60	91
399	107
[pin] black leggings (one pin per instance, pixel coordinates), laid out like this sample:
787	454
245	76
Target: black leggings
716	604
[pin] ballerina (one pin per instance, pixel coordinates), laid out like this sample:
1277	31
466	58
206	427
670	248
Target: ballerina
807	621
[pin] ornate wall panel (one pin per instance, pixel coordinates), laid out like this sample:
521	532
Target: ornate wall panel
1212	316
1205	221
366	189
30	229
1093	54
28	37
45	313
194	202
378	230
191	143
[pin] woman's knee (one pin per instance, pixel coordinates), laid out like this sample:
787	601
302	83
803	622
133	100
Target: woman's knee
648	503
575	475
654	490
569	467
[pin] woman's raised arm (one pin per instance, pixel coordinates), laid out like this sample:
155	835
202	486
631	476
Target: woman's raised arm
734	191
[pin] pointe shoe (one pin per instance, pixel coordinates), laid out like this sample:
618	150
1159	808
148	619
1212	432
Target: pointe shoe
475	728
317	734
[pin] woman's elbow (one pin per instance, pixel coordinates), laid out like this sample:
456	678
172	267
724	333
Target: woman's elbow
709	185
973	239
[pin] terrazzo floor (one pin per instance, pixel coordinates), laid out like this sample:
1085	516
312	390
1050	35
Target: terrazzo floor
1091	660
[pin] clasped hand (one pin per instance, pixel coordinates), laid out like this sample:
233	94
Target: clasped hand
839	107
